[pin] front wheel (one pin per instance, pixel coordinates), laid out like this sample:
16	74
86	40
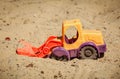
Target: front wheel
62	58
88	52
59	53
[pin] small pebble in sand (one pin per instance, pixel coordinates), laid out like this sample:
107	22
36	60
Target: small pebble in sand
26	21
118	17
96	78
116	60
30	65
117	73
75	3
119	65
6	46
72	65
11	75
7	39
59	74
15	38
67	12
7	24
17	65
4	21
42	72
74	62
119	27
99	13
55	76
104	28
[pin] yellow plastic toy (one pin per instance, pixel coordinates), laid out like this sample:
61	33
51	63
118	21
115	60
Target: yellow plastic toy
85	44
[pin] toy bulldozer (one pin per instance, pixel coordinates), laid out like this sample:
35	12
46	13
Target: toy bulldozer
86	44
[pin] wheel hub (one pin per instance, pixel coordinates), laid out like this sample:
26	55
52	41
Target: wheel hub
88	53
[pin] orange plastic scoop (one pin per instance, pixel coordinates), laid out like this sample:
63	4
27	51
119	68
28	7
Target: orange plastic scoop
42	51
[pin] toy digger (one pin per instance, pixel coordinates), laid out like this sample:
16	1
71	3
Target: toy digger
86	44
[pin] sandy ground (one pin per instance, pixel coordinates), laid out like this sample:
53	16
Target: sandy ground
36	20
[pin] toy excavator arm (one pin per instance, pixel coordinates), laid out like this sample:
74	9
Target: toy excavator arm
41	51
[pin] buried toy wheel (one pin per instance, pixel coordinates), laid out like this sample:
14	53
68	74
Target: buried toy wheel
62	58
59	53
88	52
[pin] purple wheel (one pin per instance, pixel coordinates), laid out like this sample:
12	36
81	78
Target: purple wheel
59	53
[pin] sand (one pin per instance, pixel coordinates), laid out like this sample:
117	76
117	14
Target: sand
36	20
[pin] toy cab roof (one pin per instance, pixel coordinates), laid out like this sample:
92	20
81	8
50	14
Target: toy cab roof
71	22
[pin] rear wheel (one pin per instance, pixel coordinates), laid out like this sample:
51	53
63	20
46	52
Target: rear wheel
88	52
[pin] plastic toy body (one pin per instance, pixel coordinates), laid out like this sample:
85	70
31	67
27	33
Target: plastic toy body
86	44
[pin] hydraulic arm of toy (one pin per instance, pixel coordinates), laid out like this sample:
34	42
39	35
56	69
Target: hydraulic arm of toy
41	51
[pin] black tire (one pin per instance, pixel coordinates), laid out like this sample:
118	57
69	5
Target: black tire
88	52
